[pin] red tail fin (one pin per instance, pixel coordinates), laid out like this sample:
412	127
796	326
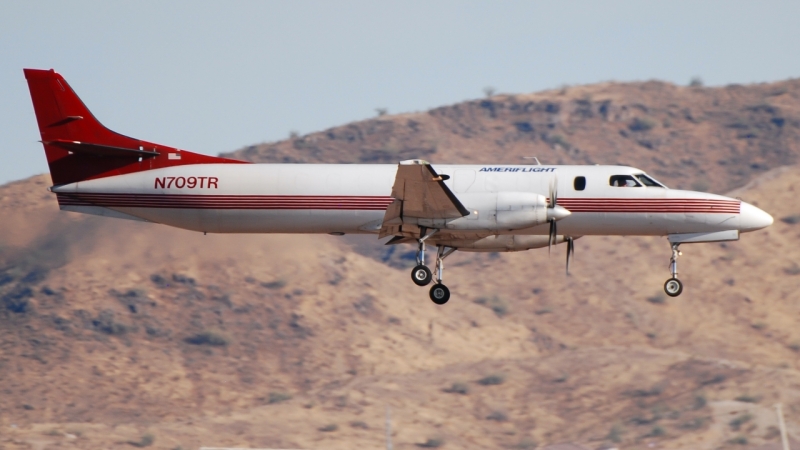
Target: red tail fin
78	147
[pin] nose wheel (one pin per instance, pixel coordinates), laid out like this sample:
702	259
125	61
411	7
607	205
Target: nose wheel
673	287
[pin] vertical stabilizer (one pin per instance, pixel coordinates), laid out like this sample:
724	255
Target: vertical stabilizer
79	147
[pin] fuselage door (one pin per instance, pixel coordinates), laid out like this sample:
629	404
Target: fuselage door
463	180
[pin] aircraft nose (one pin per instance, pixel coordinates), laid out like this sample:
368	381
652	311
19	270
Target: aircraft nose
752	218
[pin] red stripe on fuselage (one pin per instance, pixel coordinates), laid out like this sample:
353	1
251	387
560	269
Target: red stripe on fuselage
226	201
640	205
321	202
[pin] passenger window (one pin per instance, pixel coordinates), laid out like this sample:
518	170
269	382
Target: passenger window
580	183
623	181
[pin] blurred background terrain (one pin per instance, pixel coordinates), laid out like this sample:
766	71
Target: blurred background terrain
116	334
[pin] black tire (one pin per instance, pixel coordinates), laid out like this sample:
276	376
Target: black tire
673	287
440	294
421	275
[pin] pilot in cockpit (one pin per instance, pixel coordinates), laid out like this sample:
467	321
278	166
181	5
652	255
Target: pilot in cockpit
623	181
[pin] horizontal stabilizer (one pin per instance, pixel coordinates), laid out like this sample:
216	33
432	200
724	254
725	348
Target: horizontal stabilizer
100	149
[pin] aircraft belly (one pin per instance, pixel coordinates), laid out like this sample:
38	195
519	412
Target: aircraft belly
260	221
636	224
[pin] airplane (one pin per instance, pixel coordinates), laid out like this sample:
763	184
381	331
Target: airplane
469	208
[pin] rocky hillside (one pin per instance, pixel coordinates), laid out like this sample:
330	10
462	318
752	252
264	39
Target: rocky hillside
117	333
712	139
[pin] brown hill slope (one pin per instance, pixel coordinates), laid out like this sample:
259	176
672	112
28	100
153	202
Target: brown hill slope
711	138
105	339
111	330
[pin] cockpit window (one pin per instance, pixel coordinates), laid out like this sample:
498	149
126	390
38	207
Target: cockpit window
623	181
647	181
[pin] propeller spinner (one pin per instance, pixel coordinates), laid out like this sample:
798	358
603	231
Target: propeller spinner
554	212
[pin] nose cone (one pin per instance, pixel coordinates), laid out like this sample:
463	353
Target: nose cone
557	213
752	218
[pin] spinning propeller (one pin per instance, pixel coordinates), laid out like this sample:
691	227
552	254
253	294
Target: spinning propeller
570	251
554	214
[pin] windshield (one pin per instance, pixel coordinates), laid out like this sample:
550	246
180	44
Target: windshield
623	181
649	182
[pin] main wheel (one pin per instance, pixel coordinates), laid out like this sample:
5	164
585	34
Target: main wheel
421	275
673	287
440	294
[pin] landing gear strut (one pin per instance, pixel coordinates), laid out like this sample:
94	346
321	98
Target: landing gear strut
439	292
421	275
673	287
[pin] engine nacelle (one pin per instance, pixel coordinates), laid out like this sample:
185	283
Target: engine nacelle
501	211
502	243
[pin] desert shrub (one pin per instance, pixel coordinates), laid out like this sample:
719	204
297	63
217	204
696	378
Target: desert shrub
183	279
758	325
526	444
652	392
495	303
542	311
795	346
738	440
497	416
718	378
5	278
696	82
159	281
657	299
700	402
615	434
17	301
641	124
207	338
146	440
278	397
329	428
457	388
737	423
105	323
36	275
694	424
277	284
559	140
359	424
656	431
641	419
793	270
748	398
791	220
432	443
492	380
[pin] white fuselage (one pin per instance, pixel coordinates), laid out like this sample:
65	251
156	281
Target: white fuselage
352	198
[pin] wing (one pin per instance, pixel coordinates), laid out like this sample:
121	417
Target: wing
421	200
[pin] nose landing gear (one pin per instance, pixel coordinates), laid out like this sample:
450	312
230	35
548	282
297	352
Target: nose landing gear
673	287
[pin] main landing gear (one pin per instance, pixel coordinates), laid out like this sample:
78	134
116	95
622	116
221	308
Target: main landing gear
673	287
421	275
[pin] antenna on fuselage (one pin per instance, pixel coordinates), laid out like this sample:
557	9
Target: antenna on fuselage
533	158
